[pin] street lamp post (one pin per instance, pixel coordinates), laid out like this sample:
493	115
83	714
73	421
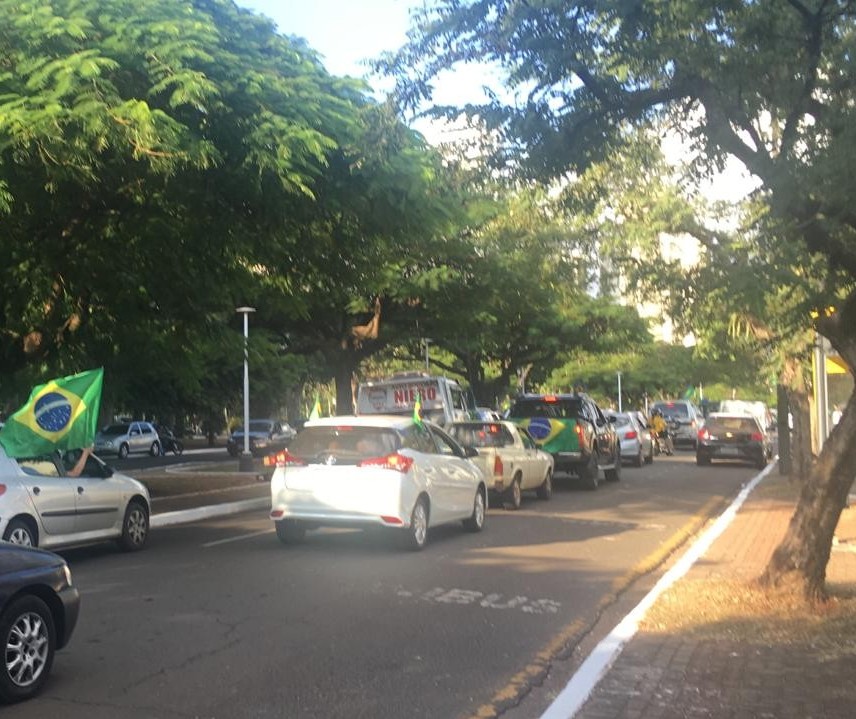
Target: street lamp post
427	342
619	391
245	462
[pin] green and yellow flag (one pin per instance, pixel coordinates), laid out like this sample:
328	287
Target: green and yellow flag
316	408
62	414
417	409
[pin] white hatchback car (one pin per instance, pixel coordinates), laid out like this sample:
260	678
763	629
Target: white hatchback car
375	471
40	506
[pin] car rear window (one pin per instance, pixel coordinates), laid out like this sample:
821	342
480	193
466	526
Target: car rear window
731	424
344	442
259	427
480	435
559	408
670	409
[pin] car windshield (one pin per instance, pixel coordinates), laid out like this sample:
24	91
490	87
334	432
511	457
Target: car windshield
260	426
672	409
481	434
559	408
731	424
115	429
345	442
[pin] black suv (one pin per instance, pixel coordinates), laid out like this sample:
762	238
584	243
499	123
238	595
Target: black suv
574	430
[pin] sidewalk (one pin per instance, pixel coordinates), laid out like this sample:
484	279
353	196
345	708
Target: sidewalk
715	646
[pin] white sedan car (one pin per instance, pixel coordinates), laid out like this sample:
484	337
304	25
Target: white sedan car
41	506
375	471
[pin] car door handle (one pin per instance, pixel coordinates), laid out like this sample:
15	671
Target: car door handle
37	490
80	490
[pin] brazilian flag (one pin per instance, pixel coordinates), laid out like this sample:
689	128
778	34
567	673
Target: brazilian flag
62	414
417	409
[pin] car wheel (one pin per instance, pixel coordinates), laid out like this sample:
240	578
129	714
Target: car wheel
761	463
513	495
20	531
639	459
288	531
123	450
589	473
545	490
155	449
614	474
701	460
650	458
135	527
416	536
29	641
475	522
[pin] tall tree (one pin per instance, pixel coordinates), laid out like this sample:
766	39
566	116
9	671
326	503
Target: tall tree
769	83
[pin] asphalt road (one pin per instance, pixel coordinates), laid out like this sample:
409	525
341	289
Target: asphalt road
218	619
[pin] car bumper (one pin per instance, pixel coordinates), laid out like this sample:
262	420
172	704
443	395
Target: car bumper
70	600
739	453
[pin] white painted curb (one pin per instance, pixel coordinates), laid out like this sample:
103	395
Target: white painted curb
571	699
166	519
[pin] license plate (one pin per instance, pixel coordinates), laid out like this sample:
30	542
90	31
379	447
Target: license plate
728	451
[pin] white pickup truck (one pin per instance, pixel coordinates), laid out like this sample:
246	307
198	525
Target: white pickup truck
508	457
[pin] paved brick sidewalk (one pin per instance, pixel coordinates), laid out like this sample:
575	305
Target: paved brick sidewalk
673	674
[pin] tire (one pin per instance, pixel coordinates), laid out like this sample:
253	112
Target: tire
29	641
21	532
614	474
155	449
416	535
135	526
588	474
513	495
475	522
123	450
650	458
761	463
289	531
545	490
639	459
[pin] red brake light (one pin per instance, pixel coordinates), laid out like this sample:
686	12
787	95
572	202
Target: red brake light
581	434
551	398
631	435
756	437
497	466
283	458
2	489
395	461
703	434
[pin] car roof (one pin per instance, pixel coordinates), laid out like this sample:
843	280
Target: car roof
390	421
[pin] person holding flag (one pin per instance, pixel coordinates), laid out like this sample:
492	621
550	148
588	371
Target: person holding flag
59	415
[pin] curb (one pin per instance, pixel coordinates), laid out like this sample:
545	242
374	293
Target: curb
182	516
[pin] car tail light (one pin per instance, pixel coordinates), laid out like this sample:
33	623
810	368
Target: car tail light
2	489
282	459
756	437
630	435
581	434
497	466
392	520
693	424
703	434
395	461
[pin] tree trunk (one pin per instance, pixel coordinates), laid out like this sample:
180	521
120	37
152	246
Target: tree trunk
346	365
802	456
804	552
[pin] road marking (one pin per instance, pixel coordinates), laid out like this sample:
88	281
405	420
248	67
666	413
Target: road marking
236	539
488	601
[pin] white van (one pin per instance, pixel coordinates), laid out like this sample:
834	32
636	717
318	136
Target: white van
443	399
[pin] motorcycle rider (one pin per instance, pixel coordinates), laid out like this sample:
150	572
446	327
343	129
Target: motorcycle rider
660	430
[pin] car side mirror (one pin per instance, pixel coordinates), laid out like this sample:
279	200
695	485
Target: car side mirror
613	420
471	452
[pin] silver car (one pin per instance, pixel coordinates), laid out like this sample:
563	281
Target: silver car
42	506
128	438
684	420
635	440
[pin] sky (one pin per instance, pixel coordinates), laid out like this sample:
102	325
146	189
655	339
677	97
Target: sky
348	32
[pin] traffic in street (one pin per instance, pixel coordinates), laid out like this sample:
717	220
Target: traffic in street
218	618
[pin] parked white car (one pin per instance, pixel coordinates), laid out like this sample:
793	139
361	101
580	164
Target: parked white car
509	458
375	471
40	506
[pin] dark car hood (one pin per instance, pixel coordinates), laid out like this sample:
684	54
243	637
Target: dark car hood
14	557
